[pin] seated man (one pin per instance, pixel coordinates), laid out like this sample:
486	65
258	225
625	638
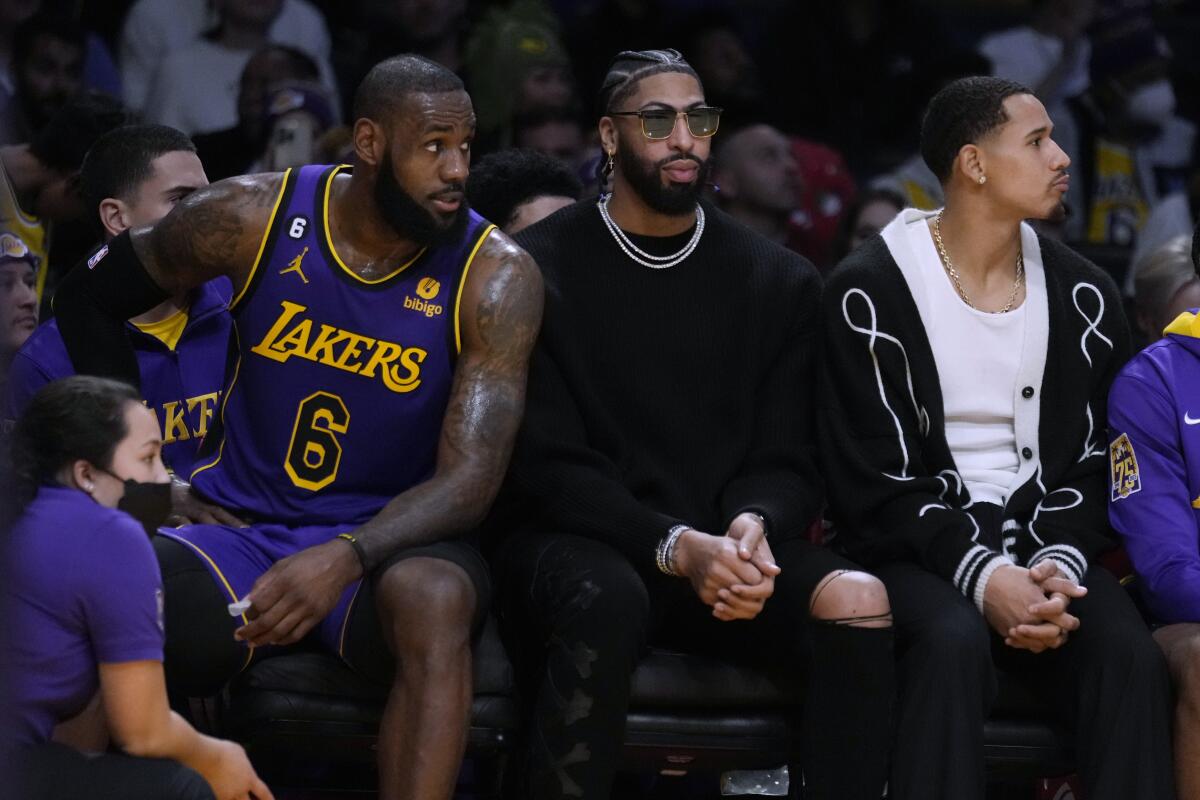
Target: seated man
133	176
18	303
516	188
1153	415
967	365
382	338
666	473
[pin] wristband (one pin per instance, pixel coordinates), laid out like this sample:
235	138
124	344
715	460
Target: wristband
359	552
665	553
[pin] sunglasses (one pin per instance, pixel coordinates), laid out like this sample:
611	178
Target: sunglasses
659	123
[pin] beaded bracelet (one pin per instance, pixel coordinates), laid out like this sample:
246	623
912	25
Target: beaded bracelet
665	554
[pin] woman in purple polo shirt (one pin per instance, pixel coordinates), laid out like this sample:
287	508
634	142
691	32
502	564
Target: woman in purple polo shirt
83	597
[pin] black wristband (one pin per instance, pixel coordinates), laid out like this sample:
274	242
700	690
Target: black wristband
359	552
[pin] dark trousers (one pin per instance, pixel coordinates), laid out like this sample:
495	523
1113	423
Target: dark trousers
578	617
56	772
1108	684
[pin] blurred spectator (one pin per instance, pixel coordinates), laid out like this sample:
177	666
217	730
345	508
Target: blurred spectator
516	188
154	29
233	150
514	65
851	74
870	212
18	299
12	14
39	180
297	115
826	188
193	106
1133	149
1051	56
336	146
430	28
729	74
47	69
553	131
757	178
1165	285
1174	215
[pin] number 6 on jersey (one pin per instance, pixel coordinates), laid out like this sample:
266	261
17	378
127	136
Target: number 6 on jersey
314	453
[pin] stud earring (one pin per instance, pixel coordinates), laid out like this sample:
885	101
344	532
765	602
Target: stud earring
982	180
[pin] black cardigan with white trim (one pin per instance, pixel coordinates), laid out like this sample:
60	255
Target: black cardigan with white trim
894	490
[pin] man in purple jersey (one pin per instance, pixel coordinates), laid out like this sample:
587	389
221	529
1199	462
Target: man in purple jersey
133	176
382	335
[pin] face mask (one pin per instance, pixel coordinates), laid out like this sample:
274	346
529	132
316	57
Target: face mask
1153	103
148	503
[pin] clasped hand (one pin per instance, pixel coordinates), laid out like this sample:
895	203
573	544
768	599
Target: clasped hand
734	573
1028	607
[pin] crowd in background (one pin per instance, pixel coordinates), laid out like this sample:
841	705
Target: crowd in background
818	147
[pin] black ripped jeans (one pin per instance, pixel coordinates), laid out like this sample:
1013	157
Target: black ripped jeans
577	618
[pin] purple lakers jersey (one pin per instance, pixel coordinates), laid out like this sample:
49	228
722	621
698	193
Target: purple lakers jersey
335	399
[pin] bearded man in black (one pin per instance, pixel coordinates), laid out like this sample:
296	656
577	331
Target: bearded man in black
666	473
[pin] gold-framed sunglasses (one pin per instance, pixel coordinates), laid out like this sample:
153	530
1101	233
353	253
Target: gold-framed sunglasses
659	123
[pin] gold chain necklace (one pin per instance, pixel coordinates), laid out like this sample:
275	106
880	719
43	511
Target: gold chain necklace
953	273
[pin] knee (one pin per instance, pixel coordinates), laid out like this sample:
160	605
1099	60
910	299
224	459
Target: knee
188	785
956	639
425	602
580	586
854	598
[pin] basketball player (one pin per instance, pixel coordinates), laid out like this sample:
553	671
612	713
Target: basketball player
967	365
133	176
666	477
382	335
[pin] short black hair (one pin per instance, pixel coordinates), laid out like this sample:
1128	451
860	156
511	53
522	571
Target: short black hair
123	158
393	79
72	130
502	181
962	113
80	417
56	26
629	67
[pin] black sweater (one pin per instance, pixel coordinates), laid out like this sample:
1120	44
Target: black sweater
659	397
894	502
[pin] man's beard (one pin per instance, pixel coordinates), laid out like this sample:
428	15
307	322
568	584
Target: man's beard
674	199
410	219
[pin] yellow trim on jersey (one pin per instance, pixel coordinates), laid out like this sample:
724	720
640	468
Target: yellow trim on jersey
262	245
224	582
334	252
1186	324
237	369
346	619
462	282
169	330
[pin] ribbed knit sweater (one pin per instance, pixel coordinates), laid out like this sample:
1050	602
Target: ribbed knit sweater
667	396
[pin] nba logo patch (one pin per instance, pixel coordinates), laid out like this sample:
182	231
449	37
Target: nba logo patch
1123	468
95	259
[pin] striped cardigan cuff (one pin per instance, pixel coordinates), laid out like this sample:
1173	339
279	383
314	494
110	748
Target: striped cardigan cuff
1068	558
974	571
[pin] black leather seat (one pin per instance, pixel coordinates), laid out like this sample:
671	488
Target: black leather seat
687	712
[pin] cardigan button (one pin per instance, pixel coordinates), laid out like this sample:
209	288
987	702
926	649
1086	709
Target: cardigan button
1027	392
1026	452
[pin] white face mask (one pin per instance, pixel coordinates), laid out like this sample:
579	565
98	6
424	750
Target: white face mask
1153	102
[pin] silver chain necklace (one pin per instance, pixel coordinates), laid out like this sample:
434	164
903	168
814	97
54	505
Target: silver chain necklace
641	256
953	273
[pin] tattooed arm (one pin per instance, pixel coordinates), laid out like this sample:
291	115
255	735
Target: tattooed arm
214	231
500	315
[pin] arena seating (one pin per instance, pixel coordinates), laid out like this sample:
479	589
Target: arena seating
687	713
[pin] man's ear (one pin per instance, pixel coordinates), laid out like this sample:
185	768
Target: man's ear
113	216
369	141
970	163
